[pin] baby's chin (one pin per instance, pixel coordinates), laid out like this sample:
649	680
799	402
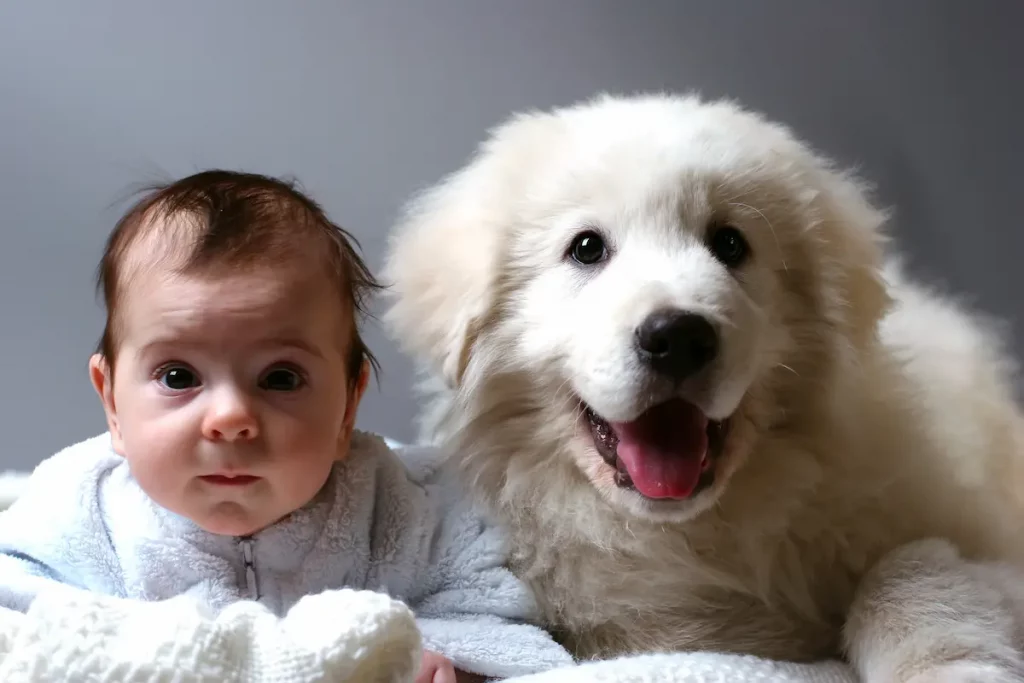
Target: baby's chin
229	527
231	519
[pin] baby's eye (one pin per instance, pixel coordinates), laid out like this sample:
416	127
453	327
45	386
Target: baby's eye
282	379
178	378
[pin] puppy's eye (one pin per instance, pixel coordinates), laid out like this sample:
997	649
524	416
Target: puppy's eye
588	248
729	246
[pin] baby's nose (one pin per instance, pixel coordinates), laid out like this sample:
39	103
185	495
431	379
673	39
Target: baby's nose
231	418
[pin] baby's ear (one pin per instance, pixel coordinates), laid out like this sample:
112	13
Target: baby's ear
357	389
102	377
445	254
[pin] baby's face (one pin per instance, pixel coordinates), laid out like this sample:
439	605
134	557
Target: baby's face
230	397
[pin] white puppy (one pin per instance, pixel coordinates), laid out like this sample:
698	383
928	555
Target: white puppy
663	344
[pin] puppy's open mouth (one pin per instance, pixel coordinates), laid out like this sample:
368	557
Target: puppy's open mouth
669	452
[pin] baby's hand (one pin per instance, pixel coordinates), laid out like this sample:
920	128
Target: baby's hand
435	668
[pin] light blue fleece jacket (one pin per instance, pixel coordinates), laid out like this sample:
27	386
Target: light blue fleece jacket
401	526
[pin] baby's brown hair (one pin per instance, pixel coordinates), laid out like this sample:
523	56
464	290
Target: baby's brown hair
235	219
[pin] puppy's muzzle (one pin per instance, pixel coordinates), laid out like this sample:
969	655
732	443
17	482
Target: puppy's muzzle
675	343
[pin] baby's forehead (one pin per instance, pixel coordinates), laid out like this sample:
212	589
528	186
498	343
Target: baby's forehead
173	244
232	306
275	285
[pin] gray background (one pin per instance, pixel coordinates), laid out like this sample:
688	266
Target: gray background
366	102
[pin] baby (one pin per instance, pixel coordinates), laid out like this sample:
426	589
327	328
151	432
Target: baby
230	370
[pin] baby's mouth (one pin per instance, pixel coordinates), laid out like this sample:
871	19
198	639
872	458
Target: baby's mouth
668	452
230	479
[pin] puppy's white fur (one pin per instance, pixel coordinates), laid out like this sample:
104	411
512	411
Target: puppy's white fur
869	497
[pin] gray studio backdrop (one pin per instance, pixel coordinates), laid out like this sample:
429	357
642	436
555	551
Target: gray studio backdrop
368	101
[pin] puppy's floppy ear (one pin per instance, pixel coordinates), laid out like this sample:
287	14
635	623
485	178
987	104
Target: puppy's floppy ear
446	253
440	263
852	232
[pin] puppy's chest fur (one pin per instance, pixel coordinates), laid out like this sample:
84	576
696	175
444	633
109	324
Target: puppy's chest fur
764	575
604	602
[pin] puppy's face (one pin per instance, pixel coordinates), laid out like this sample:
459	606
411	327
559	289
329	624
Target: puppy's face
658	305
664	270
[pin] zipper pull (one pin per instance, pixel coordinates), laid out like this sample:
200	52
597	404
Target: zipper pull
249	561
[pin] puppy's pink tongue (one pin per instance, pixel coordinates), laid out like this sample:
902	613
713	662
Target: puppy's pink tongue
664	448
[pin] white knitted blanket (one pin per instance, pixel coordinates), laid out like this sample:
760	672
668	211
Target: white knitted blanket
343	636
336	636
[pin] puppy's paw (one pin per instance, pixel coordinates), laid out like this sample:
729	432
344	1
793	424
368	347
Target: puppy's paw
969	672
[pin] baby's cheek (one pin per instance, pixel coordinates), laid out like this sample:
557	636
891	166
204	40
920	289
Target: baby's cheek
299	479
159	459
157	471
315	437
168	487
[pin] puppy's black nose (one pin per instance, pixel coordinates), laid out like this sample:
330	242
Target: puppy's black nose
676	343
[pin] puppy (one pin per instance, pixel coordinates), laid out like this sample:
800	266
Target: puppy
659	334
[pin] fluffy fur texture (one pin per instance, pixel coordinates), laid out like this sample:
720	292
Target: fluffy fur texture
867	499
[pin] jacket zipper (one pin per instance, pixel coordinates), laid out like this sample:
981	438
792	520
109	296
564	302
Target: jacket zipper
249	562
